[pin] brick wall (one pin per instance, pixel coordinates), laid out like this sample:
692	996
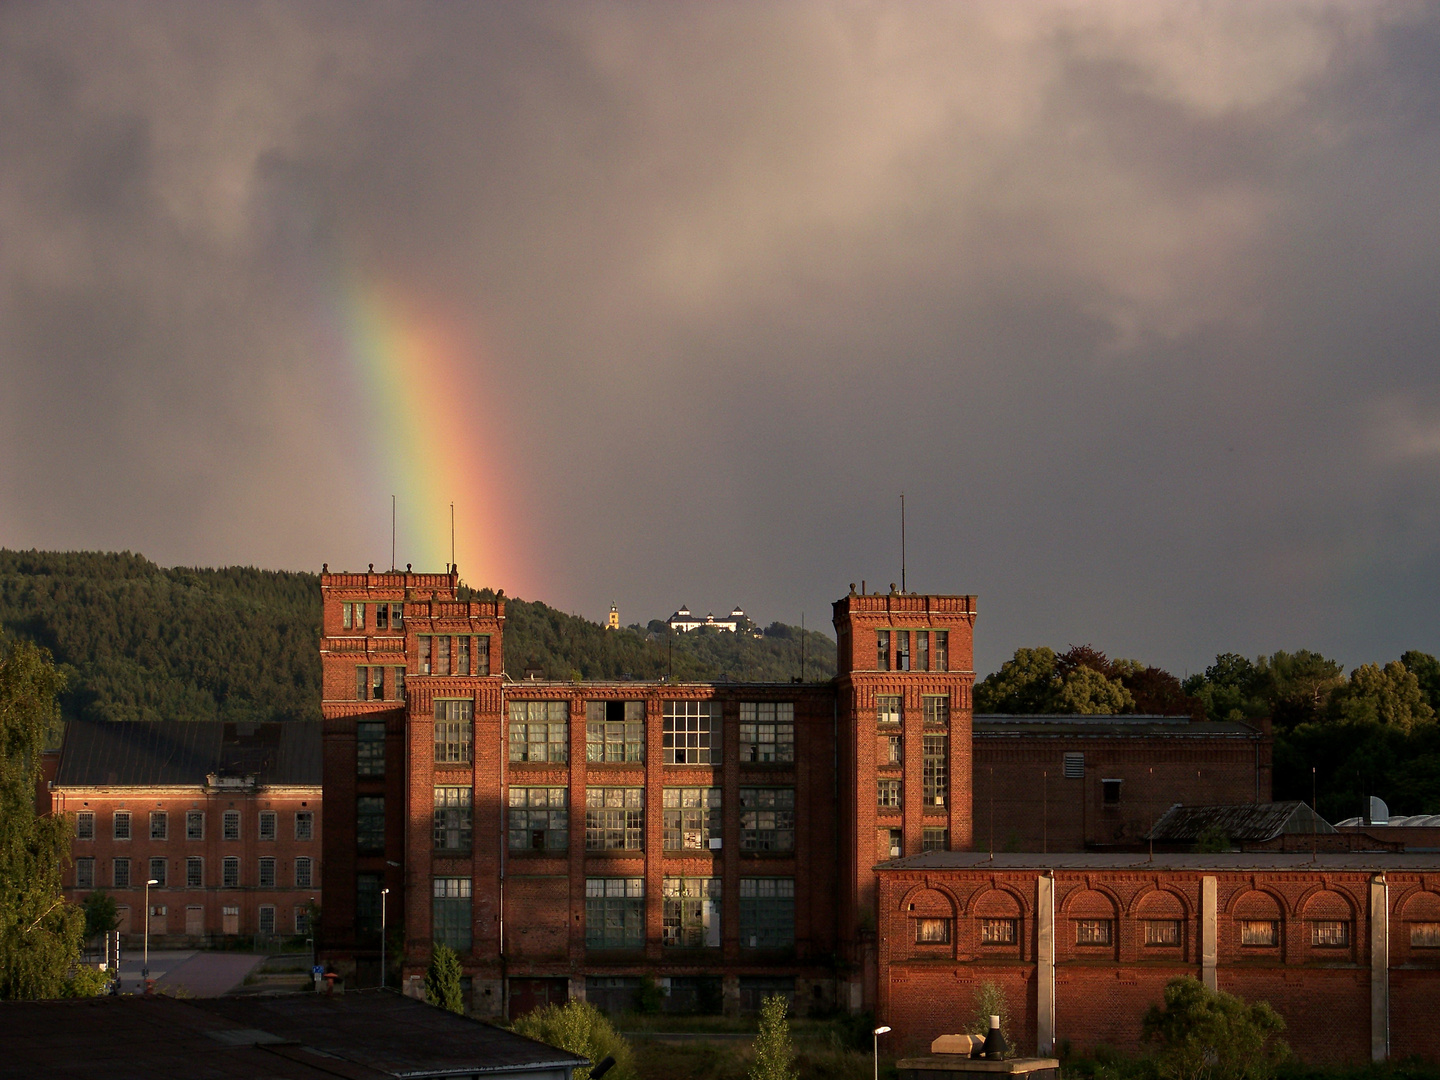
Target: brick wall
1102	990
1025	802
194	913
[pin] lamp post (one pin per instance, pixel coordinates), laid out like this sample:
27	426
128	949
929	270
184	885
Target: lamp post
145	963
383	894
877	1033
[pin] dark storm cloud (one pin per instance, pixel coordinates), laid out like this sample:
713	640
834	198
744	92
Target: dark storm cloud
1136	302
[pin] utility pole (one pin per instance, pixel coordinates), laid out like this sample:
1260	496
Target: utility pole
383	894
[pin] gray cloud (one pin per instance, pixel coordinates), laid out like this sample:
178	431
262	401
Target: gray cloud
1136	302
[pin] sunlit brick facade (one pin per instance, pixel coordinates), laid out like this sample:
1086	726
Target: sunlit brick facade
1346	947
717	837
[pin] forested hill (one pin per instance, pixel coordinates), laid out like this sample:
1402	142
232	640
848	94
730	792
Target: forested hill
139	641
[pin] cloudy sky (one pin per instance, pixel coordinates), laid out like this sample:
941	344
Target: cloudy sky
1137	303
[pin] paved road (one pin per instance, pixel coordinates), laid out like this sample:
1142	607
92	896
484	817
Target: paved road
196	974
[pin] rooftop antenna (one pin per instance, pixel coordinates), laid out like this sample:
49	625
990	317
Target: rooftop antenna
902	541
392	532
802	646
452	537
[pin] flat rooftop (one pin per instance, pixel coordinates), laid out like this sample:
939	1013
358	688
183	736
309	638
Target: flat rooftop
369	1035
1371	861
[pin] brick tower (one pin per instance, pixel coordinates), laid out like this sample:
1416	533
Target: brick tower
412	706
905	671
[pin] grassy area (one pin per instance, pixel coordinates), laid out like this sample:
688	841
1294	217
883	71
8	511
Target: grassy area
824	1048
731	1061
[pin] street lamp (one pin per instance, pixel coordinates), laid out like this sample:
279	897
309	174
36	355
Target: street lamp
877	1033
383	894
145	964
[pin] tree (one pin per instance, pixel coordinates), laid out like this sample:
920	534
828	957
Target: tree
40	934
990	1000
1088	692
442	981
1025	683
101	914
1205	1035
774	1054
1390	695
1426	670
581	1028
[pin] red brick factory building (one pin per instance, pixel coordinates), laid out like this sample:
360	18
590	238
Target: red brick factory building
570	839
225	816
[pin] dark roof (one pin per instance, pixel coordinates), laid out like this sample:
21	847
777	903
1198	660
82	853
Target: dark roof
1249	822
1223	862
1124	725
156	753
361	1036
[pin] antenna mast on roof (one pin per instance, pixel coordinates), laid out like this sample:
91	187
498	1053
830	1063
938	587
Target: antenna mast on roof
392	532
452	537
802	646
902	541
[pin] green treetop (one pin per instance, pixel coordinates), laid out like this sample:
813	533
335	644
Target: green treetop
40	934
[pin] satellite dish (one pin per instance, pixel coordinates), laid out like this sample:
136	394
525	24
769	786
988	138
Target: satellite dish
1379	813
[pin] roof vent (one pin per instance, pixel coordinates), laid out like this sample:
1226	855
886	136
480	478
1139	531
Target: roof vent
1377	813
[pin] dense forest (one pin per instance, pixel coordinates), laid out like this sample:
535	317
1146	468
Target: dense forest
1371	732
138	641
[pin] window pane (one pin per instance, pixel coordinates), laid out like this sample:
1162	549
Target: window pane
887	708
540	731
614	913
1259	932
539	819
767	819
450	912
370	822
691	734
1093	931
453	818
767	731
932	931
454	731
691	818
691	912
370	748
997	931
1162	932
937	770
614	818
767	913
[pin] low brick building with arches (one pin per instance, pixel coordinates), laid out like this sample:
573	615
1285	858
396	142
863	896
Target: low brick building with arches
1345	947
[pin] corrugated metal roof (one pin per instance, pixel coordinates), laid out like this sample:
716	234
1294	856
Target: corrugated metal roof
179	752
1250	822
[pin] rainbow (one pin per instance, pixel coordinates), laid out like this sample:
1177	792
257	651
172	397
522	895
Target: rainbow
431	441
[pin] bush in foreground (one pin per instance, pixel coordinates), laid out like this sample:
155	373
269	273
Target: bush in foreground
1205	1035
581	1028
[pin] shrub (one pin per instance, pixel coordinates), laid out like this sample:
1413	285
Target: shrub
581	1028
442	981
774	1054
1205	1035
990	1000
